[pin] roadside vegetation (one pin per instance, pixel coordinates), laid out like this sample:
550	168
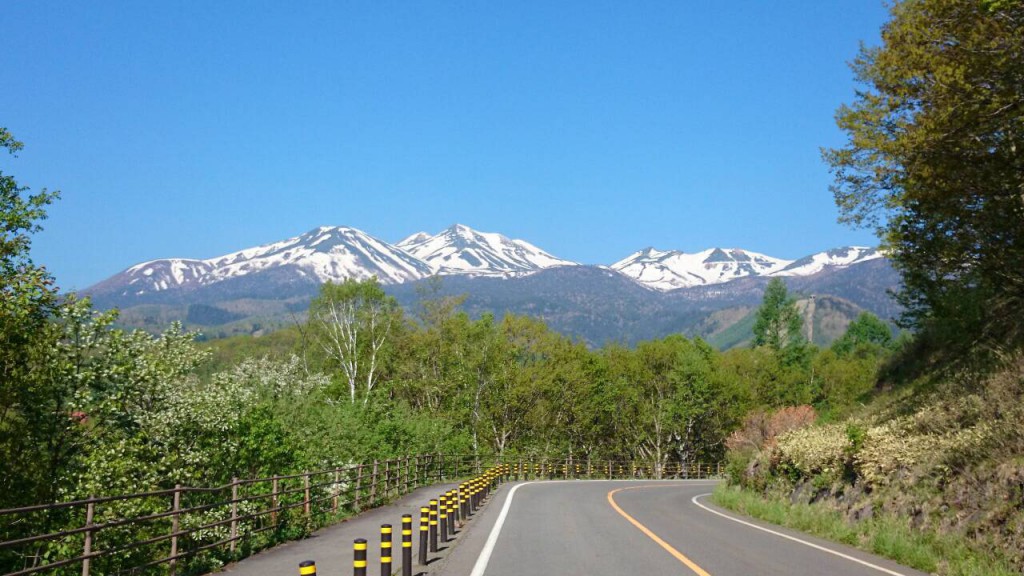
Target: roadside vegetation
931	470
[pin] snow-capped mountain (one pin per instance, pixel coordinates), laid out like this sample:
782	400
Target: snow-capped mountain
325	253
335	253
413	239
462	250
835	258
293	269
672	269
168	273
649	294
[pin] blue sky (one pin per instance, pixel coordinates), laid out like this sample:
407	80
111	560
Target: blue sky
592	129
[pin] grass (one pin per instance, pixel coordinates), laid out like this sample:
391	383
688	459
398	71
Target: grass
944	554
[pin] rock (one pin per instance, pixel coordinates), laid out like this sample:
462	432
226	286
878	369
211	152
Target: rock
819	495
801	493
865	512
753	468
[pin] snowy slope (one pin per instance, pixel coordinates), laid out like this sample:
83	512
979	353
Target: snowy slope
326	253
462	250
413	239
330	253
835	258
164	274
672	269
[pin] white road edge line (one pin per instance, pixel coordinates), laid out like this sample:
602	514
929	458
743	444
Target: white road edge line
485	554
794	539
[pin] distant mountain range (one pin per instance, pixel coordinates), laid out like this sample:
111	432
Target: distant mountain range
647	294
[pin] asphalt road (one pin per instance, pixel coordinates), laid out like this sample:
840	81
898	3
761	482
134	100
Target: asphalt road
331	547
639	527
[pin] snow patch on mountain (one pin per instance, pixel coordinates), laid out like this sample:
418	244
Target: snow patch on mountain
329	253
462	250
671	269
164	274
835	258
413	239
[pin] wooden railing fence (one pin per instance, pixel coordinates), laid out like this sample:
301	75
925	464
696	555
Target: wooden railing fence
189	530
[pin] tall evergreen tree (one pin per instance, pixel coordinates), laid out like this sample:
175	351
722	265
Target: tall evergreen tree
778	322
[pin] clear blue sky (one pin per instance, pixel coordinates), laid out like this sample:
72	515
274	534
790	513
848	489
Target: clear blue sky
592	129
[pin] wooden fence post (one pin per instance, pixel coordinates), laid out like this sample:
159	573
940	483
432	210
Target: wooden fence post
273	501
337	489
387	479
305	492
234	513
408	473
90	512
173	566
373	485
359	484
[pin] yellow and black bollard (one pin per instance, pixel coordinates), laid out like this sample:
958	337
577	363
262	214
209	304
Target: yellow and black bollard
406	545
385	550
460	494
424	534
455	513
442	517
359	557
433	525
451	513
307	568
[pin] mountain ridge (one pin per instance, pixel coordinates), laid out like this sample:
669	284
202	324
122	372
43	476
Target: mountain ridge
646	295
335	253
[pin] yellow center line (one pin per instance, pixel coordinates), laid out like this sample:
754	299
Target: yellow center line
668	547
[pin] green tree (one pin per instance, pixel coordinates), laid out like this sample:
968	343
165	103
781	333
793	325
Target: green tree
866	333
934	162
778	323
31	428
350	324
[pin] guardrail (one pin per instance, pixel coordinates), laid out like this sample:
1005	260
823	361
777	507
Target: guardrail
190	530
187	530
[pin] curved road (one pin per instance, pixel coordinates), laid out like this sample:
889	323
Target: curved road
640	527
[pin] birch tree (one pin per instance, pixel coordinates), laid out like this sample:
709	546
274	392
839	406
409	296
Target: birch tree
350	323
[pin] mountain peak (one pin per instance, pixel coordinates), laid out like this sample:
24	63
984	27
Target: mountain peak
834	258
460	249
672	269
412	239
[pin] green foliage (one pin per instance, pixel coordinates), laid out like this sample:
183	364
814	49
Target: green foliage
778	323
928	550
865	335
225	353
34	421
351	328
934	161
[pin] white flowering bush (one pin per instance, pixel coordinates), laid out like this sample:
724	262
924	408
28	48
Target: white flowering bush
896	448
815	450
